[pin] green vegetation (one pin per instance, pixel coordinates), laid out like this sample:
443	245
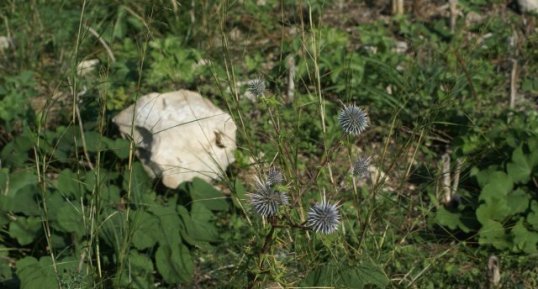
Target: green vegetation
77	209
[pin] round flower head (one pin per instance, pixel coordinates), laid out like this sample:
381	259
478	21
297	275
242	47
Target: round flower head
360	167
353	120
323	217
274	177
256	87
266	200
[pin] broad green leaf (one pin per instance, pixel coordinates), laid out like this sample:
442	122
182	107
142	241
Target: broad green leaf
140	273
70	219
119	147
140	183
524	240
336	275
519	168
36	274
169	224
5	269
518	201
145	227
40	274
493	233
188	230
204	228
495	209
19	194
204	193
25	230
451	220
69	184
498	186
532	217
174	263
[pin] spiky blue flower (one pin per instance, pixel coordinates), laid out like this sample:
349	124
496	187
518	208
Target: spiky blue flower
323	218
360	166
353	120
256	87
266	200
274	177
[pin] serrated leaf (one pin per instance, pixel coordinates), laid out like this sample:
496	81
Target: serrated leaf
36	274
532	217
451	220
174	263
524	240
495	209
343	276
518	201
519	168
204	193
498	186
119	147
493	233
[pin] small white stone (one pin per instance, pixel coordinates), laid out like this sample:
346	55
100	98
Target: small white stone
86	66
4	43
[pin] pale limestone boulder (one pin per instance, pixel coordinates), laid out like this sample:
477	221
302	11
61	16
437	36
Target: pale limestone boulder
528	5
180	135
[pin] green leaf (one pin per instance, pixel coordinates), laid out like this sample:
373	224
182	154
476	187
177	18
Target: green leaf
495	209
518	201
498	185
140	274
204	228
174	263
169	225
69	184
344	276
493	233
145	228
25	230
532	217
36	274
519	169
119	147
451	220
94	142
19	194
70	219
204	193
524	240
5	268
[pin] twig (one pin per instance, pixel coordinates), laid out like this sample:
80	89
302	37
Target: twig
397	7
453	4
103	42
291	76
445	171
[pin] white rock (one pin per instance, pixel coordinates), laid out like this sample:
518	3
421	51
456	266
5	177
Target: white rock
86	66
180	135
528	5
4	43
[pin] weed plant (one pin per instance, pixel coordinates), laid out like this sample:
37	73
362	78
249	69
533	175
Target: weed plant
346	118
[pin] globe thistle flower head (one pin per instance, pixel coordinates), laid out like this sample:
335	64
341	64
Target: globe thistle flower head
360	167
353	120
256	87
323	218
266	200
274	177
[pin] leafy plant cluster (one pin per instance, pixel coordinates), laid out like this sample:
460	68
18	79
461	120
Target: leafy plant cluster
498	201
102	226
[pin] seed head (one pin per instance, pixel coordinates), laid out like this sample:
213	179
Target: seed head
266	200
353	120
323	217
256	87
274	177
360	167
